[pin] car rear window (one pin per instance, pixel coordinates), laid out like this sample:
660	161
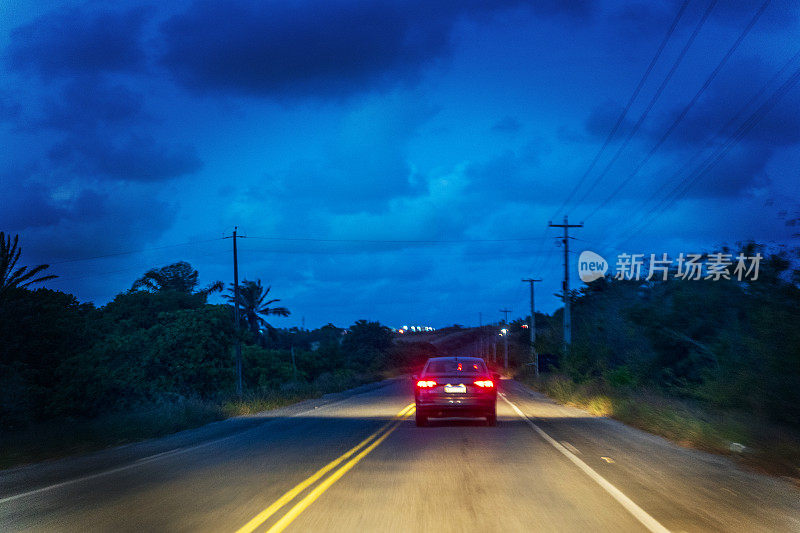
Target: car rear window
455	367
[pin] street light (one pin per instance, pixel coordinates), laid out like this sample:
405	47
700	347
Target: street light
504	334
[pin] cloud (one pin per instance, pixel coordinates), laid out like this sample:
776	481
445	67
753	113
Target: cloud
364	164
779	15
602	119
31	207
519	176
84	221
507	124
135	158
733	91
303	48
60	215
83	105
10	109
741	171
73	42
102	127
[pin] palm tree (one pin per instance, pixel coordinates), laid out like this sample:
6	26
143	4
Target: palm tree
21	277
252	296
179	277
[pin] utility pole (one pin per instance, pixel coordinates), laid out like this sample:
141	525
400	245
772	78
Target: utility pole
565	287
236	312
480	332
532	326
294	366
505	338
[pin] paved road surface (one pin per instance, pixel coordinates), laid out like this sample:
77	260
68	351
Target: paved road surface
360	464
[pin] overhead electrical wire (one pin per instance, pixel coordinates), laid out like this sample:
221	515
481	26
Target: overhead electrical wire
753	99
394	241
131	252
627	106
682	188
684	111
675	64
544	262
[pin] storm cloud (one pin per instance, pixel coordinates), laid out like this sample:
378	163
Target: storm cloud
388	160
329	49
73	42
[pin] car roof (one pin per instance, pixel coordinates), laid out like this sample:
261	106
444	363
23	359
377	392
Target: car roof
455	357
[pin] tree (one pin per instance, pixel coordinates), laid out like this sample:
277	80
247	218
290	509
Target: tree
252	296
178	277
21	277
39	330
367	344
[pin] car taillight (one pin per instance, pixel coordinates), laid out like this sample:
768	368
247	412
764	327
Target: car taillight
485	383
425	384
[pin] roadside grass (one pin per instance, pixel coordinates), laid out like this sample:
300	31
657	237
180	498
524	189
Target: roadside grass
256	403
60	438
64	437
766	446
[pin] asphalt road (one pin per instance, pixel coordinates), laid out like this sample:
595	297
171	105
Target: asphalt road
359	464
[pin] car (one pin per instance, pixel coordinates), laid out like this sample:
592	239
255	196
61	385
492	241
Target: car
456	387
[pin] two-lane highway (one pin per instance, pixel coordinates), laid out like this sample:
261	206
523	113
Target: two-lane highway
360	464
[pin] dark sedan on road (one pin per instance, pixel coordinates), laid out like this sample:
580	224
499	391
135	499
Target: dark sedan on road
456	387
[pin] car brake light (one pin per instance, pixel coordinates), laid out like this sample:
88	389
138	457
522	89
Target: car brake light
425	384
485	383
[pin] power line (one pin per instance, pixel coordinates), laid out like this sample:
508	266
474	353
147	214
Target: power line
394	241
627	107
106	273
79	259
652	101
643	216
517	253
682	188
684	111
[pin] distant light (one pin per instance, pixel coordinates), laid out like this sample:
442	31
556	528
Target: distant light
524	326
503	331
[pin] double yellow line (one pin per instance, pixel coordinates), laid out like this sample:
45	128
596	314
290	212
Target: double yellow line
368	444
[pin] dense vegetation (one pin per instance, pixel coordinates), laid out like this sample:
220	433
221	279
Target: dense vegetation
708	363
160	343
726	343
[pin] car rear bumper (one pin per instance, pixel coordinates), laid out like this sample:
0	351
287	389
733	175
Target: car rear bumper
446	407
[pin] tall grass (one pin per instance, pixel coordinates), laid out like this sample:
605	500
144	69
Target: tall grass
63	437
767	446
58	438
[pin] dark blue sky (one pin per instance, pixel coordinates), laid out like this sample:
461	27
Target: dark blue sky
397	161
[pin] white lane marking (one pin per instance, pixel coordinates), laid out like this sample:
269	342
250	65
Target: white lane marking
150	458
570	447
640	514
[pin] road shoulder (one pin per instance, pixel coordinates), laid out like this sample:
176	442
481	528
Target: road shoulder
35	476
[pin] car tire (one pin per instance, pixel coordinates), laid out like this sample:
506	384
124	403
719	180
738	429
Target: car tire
422	420
491	419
